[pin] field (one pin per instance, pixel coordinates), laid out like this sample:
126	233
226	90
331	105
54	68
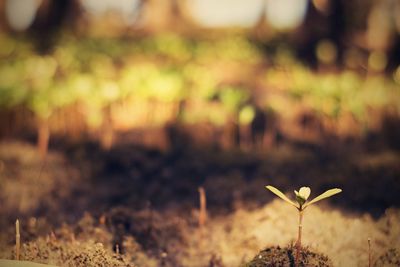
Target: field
105	143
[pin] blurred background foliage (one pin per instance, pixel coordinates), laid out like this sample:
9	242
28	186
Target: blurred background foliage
94	68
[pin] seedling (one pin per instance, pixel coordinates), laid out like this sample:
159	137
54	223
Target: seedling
301	204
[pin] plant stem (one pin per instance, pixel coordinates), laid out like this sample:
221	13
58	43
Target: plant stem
17	240
298	243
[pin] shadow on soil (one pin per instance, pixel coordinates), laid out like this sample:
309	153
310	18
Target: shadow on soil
144	192
139	178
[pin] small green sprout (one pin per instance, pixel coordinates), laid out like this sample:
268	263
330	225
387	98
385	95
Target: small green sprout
302	195
301	204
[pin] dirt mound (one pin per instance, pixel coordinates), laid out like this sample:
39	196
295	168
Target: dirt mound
282	257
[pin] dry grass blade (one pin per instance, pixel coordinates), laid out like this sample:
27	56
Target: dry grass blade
12	263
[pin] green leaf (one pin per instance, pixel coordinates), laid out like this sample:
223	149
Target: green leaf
246	115
327	194
281	195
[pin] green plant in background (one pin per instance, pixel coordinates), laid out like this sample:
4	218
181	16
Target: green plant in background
301	204
97	77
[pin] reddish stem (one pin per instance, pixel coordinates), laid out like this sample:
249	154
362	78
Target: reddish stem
298	243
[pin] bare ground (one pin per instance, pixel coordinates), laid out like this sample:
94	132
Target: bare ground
82	201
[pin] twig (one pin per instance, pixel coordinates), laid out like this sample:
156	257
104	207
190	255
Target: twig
203	207
369	252
17	240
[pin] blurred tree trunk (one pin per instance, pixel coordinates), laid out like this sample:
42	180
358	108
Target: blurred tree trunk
329	24
262	30
159	15
156	14
3	24
52	18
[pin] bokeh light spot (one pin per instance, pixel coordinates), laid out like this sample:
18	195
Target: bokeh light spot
20	14
226	13
377	60
285	14
396	75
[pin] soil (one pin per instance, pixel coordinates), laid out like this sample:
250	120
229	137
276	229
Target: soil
138	206
389	259
277	256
